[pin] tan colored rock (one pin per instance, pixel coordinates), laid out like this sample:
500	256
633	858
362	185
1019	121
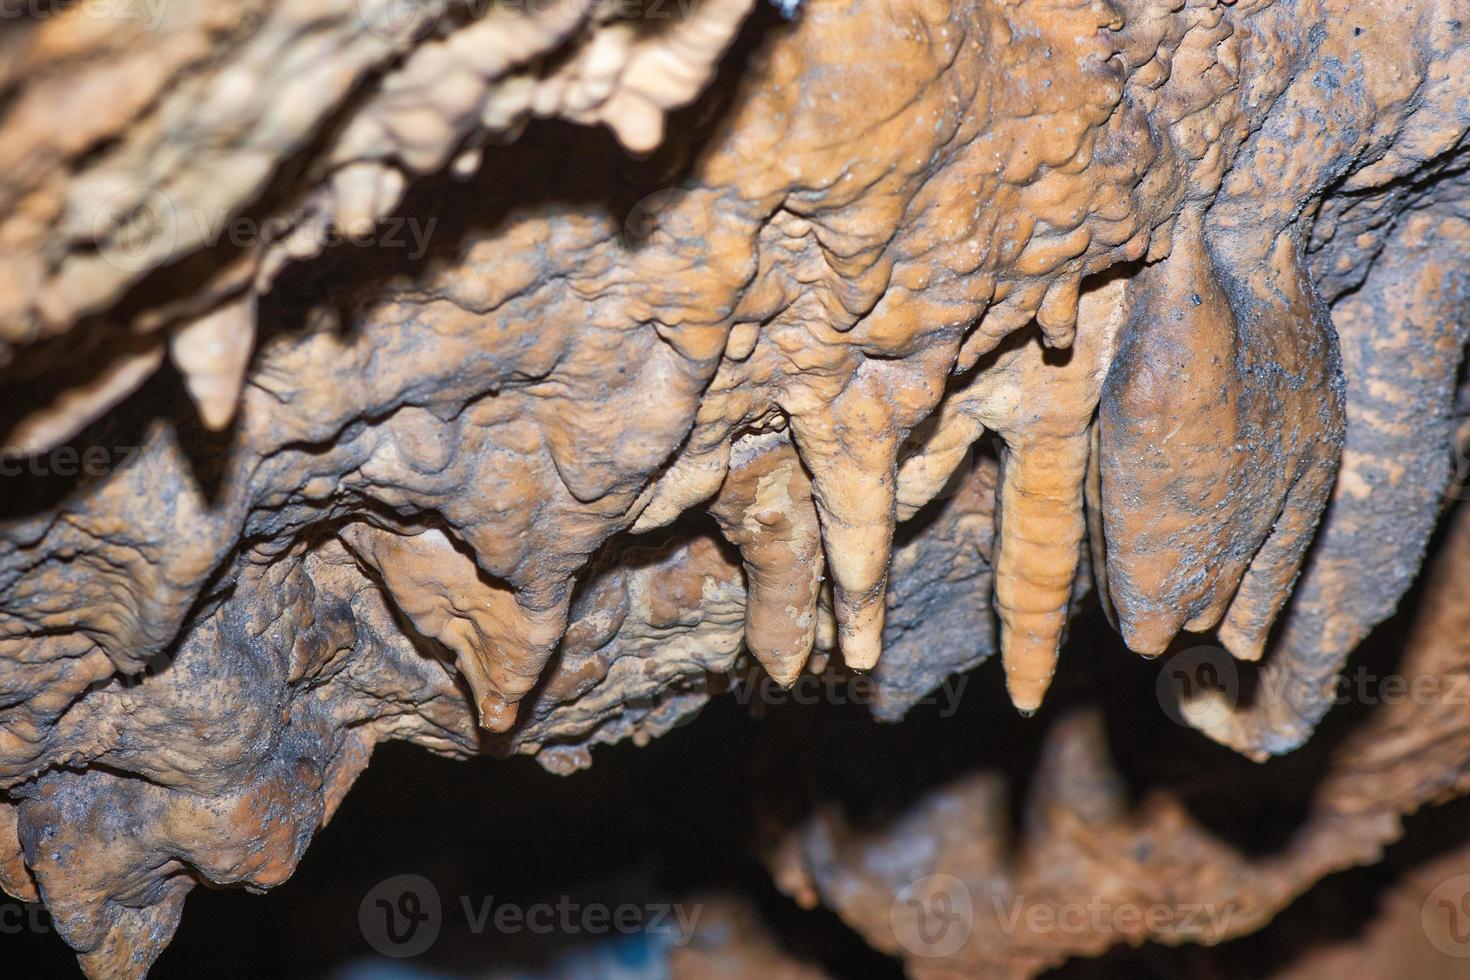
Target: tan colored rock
530	366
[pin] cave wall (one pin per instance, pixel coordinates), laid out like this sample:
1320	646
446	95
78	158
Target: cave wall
514	380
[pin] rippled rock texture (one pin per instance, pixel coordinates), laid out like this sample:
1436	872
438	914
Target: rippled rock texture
513	378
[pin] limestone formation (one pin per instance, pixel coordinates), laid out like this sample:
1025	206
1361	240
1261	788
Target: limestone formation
513	378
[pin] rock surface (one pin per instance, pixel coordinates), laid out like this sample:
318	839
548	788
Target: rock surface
511	380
